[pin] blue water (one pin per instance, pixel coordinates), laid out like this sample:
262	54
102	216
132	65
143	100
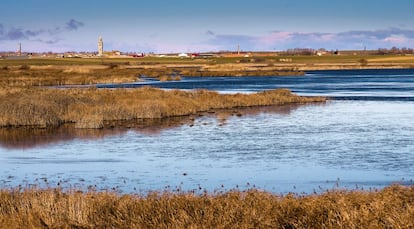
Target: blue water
362	139
397	84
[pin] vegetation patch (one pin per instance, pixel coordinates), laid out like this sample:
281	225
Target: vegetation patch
67	75
392	207
89	108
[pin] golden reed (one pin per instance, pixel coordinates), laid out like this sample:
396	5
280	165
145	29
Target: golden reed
392	207
89	108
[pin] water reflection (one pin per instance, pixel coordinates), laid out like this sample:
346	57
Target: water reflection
364	142
25	138
345	144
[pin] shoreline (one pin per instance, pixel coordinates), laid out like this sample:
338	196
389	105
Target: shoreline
29	137
354	67
72	71
91	108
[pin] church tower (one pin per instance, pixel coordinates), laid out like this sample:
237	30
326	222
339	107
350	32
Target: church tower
19	49
100	46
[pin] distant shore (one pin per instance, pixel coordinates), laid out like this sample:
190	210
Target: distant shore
79	71
20	81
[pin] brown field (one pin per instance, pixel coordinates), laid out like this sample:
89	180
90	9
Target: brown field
75	71
90	108
49	75
34	75
395	59
27	76
392	207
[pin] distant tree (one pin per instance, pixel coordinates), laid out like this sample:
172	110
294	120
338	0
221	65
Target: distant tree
395	50
300	51
382	51
406	50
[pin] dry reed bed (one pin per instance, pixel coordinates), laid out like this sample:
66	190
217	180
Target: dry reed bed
70	75
392	207
89	108
49	75
240	73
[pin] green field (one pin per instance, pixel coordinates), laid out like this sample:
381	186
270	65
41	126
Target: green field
329	59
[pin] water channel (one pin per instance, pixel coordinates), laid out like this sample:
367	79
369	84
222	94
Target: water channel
363	138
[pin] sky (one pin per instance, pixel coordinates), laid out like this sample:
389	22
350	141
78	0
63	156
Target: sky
171	26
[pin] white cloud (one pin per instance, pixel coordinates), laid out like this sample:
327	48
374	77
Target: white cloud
372	39
397	39
19	33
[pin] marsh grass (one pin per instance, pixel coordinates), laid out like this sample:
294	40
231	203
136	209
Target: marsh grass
89	108
48	72
49	75
392	207
68	75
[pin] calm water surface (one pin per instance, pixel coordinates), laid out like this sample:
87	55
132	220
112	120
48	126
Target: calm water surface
363	139
393	84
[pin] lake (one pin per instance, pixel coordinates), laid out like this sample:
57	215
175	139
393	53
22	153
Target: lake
363	138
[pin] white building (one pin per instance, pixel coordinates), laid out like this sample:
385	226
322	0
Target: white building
183	55
100	46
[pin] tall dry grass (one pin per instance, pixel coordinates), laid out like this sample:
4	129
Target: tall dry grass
89	108
68	75
392	207
49	75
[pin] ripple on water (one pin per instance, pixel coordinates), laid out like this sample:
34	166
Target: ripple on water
364	143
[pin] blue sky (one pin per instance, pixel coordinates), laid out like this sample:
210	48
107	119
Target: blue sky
205	25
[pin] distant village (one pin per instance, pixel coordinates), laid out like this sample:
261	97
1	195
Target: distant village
101	53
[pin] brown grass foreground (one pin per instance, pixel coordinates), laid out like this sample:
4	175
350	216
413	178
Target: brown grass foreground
90	108
392	207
